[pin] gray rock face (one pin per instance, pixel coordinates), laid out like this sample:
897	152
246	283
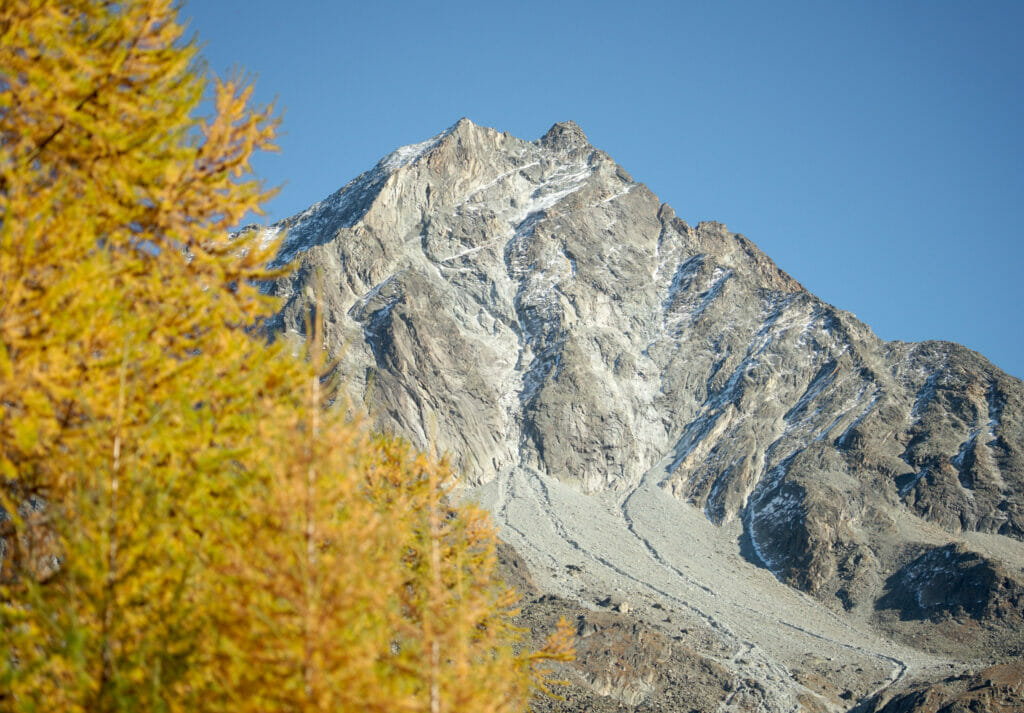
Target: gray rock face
530	304
998	689
529	307
948	581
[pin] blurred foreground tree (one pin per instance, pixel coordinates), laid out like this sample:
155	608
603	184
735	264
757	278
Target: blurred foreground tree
381	595
182	526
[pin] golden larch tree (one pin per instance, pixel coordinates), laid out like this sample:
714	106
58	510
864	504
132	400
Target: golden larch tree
375	593
171	490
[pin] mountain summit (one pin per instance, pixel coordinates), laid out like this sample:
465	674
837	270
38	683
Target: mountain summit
657	411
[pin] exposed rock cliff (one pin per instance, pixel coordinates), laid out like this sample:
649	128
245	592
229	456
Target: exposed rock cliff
998	689
537	313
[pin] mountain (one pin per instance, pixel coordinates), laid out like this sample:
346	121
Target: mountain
661	419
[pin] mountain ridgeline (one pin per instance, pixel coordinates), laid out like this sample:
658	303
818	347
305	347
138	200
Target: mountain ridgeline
532	310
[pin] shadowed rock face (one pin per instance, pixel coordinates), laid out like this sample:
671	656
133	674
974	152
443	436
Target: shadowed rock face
951	581
529	307
998	689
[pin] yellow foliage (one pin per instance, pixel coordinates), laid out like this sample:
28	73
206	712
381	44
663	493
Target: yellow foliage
184	527
379	595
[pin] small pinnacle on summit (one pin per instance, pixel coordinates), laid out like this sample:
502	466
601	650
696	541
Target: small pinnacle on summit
565	135
459	128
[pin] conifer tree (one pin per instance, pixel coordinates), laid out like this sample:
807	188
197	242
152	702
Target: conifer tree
123	371
374	593
171	489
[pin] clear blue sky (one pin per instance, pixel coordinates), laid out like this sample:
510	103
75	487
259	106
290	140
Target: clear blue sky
873	149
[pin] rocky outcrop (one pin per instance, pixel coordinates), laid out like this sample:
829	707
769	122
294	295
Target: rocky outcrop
997	689
621	663
951	581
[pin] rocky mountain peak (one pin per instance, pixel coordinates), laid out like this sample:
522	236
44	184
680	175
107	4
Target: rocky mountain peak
617	386
565	136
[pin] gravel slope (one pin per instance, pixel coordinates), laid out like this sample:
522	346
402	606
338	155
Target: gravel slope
691	582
